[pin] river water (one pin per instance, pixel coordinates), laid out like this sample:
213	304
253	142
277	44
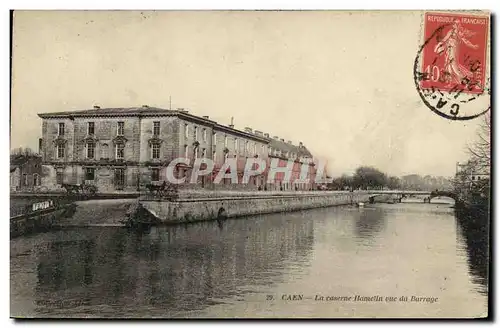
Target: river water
336	262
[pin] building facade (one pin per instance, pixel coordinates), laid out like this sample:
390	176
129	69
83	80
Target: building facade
25	172
285	153
125	149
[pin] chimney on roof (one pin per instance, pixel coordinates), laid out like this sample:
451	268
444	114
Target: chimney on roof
206	116
301	144
266	135
248	129
145	106
282	140
290	142
276	137
232	123
97	107
258	133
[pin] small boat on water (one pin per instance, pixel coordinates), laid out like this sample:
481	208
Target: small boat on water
360	204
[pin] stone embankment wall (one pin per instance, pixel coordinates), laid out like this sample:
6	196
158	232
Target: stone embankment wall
38	221
191	206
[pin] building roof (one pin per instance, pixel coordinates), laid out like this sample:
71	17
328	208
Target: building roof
228	129
155	111
127	111
291	148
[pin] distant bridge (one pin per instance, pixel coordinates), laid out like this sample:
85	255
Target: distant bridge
399	194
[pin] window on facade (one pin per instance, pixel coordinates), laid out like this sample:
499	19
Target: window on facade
91	128
121	128
105	151
186	150
59	176
156	128
60	150
225	141
236	145
214	142
247	147
89	173
120	151
186	131
196	133
205	135
155	151
119	178
90	150
36	179
61	129
155	174
25	179
204	153
255	149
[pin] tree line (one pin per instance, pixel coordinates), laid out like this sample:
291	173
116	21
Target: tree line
367	177
472	179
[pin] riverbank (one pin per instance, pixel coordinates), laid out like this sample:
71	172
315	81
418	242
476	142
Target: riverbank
191	206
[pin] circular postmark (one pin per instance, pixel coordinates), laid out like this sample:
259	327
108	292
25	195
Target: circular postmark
450	71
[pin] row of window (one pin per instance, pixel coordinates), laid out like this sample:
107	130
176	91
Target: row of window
156	131
36	180
196	136
120	129
119	176
279	152
90	176
90	151
249	148
155	151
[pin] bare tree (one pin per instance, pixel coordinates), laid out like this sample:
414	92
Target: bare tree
480	150
22	152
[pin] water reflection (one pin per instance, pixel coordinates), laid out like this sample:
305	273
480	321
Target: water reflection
223	269
369	222
170	269
474	232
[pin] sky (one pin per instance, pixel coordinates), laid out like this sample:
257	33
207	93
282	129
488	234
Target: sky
340	82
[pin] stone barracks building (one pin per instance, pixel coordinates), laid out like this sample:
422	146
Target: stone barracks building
123	149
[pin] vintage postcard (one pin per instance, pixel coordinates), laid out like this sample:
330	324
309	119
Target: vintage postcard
250	164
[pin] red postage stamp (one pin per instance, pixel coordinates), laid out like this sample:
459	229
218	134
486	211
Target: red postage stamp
454	56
